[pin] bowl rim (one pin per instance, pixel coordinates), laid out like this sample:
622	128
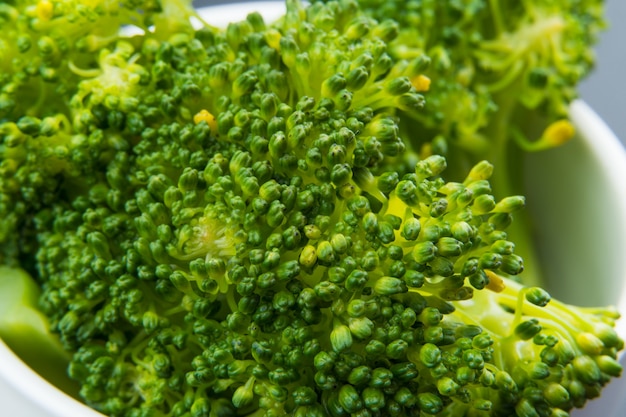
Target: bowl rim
605	146
38	390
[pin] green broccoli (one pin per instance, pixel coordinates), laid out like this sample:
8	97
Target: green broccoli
499	60
58	63
234	223
503	75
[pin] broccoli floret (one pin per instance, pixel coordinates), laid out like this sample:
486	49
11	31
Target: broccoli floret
233	223
503	74
65	78
498	60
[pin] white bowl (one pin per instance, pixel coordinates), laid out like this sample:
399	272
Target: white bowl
577	197
576	193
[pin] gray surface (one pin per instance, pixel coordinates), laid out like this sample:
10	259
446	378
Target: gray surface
605	89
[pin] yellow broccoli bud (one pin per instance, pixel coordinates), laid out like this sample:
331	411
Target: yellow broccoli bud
44	10
205	116
556	134
421	83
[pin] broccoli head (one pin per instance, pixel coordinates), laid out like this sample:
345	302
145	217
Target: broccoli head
233	223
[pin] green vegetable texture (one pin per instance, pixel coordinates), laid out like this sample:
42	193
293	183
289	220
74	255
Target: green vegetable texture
503	75
239	221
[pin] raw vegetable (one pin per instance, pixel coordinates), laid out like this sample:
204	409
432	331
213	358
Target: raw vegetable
245	222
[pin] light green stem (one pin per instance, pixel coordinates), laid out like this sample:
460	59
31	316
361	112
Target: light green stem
506	182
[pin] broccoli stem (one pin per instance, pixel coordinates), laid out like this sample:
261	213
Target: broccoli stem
502	153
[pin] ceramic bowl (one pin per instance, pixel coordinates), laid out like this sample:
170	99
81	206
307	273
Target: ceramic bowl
576	194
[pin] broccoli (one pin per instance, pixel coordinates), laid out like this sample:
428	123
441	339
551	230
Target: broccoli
501	61
58	63
503	74
236	223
